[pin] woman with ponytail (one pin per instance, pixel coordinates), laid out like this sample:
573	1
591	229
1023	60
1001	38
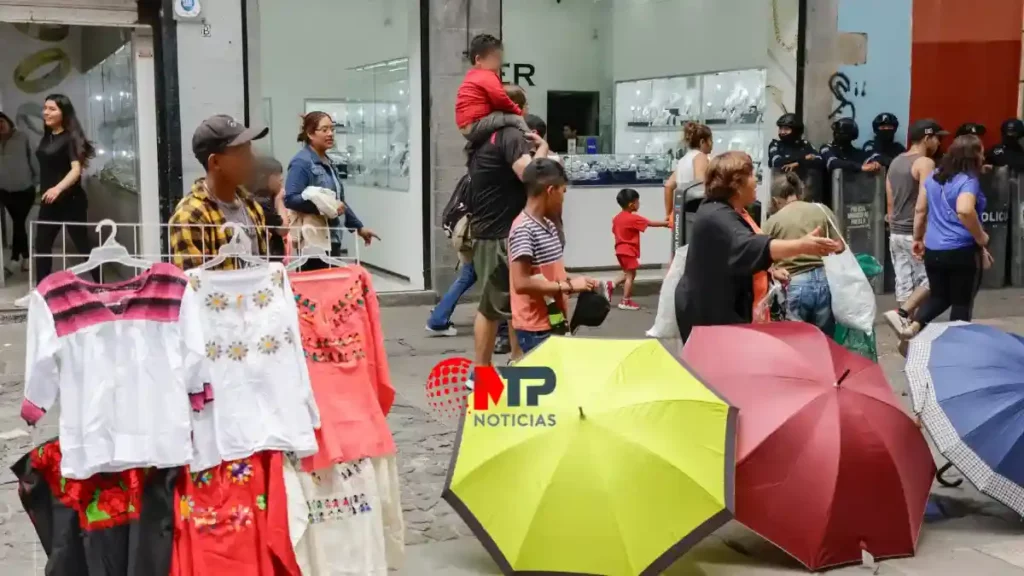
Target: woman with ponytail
807	297
692	166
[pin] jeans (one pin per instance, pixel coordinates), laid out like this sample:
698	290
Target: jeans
530	340
809	300
441	315
18	204
954	276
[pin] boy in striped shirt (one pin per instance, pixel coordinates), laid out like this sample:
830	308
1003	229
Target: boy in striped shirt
537	274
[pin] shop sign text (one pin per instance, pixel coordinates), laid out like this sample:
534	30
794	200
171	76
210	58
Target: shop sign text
520	72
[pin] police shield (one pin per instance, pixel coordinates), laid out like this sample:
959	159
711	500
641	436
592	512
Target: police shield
858	200
684	206
1016	230
997	185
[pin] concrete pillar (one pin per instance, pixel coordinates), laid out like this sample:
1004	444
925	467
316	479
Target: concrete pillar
451	23
821	62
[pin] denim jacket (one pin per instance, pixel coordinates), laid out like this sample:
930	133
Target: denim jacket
308	169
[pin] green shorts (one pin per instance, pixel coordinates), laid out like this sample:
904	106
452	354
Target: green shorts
490	260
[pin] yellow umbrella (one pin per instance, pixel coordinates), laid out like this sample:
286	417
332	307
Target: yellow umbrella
619	470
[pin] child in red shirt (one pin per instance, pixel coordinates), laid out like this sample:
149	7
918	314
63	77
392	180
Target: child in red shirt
481	104
626	227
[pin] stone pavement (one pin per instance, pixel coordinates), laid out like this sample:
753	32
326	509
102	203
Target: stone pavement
974	536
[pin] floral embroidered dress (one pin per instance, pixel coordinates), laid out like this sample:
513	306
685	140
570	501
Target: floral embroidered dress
339	324
261	395
346	520
123	358
233	520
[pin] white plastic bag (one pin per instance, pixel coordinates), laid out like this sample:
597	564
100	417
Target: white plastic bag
853	300
665	326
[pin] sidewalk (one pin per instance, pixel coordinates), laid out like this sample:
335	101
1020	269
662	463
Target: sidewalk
978	536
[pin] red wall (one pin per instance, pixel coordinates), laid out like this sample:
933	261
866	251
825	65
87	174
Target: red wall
965	62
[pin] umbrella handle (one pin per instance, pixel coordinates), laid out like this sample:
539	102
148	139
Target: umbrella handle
945	468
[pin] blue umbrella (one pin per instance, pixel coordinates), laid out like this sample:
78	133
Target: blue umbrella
967	384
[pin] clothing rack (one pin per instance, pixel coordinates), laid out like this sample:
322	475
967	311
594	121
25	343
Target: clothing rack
142	241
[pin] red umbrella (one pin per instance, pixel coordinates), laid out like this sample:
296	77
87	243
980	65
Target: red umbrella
828	463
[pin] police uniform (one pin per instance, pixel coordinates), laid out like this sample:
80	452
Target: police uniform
841	152
1009	152
792	148
884	147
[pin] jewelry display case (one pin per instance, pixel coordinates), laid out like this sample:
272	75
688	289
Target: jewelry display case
626	169
111	119
371	125
650	114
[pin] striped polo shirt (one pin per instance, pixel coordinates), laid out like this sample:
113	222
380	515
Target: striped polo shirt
536	241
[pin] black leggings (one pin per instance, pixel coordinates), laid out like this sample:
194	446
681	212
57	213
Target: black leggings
72	210
954	277
18	204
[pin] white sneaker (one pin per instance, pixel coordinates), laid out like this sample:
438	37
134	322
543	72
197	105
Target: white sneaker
449	331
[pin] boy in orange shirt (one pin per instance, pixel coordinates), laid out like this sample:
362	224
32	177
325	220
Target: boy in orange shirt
626	228
481	104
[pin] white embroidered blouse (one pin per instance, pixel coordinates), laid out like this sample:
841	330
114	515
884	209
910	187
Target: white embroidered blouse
123	358
261	394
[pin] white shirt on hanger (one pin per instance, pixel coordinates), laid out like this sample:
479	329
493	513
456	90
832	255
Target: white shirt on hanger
262	397
122	358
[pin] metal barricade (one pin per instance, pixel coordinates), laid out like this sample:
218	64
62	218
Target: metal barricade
64	254
684	206
997	186
1017	231
859	203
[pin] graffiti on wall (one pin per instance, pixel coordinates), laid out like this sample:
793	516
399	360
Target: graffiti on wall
844	90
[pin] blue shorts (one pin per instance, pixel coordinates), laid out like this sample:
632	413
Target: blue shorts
530	340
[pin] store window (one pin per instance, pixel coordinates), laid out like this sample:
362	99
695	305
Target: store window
617	80
112	119
358	61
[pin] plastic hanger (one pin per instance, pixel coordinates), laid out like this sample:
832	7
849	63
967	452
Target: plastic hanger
310	251
110	252
239	246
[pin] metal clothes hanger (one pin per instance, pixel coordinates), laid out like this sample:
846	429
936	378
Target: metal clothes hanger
239	246
110	252
310	251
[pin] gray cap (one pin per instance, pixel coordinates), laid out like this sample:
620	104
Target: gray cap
217	133
927	127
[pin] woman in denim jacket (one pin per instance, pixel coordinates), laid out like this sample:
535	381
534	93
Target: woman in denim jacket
311	167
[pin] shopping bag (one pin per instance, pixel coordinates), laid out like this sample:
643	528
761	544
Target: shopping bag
853	300
665	326
862	343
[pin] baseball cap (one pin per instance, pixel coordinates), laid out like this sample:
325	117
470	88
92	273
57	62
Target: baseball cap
971	128
926	127
591	310
217	133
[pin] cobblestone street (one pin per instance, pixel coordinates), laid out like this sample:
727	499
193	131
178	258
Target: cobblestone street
973	535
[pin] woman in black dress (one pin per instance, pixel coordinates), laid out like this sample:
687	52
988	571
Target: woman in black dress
63	153
718	283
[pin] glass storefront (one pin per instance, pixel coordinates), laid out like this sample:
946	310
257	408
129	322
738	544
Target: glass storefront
362	70
617	80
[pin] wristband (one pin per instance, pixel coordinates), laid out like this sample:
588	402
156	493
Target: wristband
33	62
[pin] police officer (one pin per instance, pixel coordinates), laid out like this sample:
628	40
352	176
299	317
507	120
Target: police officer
842	153
790	151
884	147
1009	152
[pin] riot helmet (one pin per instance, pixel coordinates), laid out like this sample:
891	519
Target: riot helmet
884	126
845	131
1012	131
791	128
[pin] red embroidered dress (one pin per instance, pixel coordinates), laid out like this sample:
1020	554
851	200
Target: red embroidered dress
233	520
339	324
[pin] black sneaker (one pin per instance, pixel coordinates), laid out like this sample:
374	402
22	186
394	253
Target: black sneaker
502	346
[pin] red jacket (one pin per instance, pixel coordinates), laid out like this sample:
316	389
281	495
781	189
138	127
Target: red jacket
480	94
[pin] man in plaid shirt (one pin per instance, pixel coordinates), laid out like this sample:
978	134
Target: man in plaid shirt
224	147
